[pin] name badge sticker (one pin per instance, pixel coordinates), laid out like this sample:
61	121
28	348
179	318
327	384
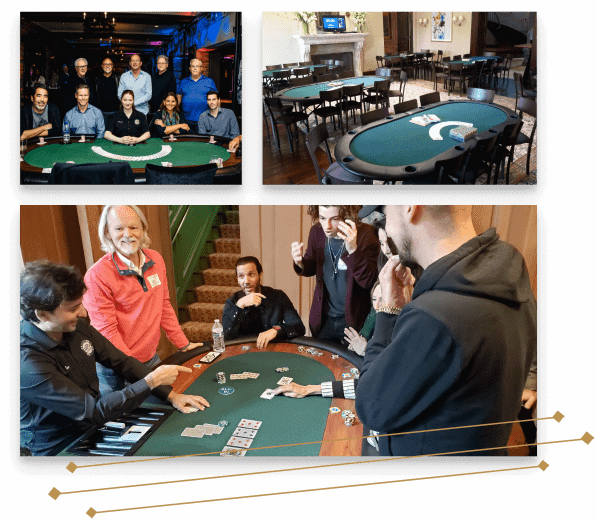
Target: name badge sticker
154	280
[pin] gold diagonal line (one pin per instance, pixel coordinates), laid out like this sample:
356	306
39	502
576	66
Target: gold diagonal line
54	493
92	512
71	467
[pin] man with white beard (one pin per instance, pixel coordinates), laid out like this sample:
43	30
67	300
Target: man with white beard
128	299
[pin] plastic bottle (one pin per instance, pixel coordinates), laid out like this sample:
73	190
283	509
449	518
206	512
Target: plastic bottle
218	335
66	132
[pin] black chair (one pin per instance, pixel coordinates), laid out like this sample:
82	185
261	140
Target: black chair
404	107
372	116
297	82
273	67
528	106
279	115
521	92
399	93
438	74
445	170
334	174
429	98
478	162
229	179
346	74
381	61
195	175
301	64
301	72
110	173
481	95
378	94
331	106
504	68
466	55
330	77
456	74
289	66
504	152
352	99
281	80
477	73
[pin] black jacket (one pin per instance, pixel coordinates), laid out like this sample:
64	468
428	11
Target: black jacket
107	93
53	117
161	85
457	355
275	309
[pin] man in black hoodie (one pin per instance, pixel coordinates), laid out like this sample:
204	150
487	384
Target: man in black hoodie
455	354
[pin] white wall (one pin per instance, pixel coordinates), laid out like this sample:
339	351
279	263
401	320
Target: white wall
461	36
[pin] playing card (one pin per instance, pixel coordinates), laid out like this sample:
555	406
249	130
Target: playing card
231	451
250	424
244	433
193	432
268	394
209	429
285	380
244	443
188	410
237	377
252	375
215	429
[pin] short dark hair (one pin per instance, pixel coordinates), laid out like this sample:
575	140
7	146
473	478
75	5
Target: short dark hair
249	259
350	212
39	86
212	92
46	285
82	86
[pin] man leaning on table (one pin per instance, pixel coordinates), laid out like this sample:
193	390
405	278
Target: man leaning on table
84	118
217	121
40	118
128	299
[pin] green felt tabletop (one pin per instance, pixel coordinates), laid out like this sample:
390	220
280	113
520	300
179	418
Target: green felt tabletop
311	68
285	420
315	89
400	142
473	59
180	154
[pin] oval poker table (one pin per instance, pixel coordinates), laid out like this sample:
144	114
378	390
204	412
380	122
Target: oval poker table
395	149
311	92
284	420
185	151
312	68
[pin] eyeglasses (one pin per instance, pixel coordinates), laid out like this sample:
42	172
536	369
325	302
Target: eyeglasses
107	65
80	67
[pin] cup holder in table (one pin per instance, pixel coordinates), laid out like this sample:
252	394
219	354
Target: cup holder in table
348	159
410	169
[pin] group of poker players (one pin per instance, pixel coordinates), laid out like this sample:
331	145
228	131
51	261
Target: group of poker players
451	340
117	107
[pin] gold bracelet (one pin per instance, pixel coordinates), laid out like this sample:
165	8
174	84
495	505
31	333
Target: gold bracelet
389	309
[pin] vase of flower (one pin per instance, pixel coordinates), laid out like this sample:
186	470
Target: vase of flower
306	19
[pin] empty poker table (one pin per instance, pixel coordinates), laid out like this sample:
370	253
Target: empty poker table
285	421
311	92
396	149
187	150
312	68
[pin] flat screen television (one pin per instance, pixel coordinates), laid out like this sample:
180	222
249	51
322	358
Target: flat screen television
334	24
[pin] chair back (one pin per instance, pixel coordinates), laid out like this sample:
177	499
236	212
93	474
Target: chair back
457	57
110	173
528	106
273	67
466	55
351	90
485	143
346	74
307	80
380	61
510	133
288	66
326	77
429	98
195	175
302	71
305	63
481	95
489	53
403	107
332	95
315	137
275	106
444	169
372	116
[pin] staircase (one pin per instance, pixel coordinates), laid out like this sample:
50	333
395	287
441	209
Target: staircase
217	282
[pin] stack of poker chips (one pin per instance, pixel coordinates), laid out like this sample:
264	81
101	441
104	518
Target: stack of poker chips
463	133
221	377
349	420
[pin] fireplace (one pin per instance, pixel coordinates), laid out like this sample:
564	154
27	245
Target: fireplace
334	46
343	57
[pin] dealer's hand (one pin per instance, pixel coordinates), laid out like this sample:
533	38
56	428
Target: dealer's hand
396	283
190	346
250	300
356	342
185	402
297	253
294	390
529	398
265	337
347	231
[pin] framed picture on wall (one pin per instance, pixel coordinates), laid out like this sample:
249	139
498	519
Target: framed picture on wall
441	26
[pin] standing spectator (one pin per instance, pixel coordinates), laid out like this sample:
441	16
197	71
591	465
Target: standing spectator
139	82
192	93
75	81
162	83
107	90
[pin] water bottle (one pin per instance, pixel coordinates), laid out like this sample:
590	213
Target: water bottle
65	132
218	335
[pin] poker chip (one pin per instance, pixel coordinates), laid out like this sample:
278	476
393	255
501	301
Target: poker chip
245	347
301	349
319	353
225	391
349	420
346	413
334	410
223	423
197	365
335	356
282	369
346	375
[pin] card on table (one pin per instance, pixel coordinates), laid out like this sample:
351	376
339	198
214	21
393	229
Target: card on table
211	429
250	424
244	433
237	377
244	443
193	432
268	394
232	451
285	380
252	375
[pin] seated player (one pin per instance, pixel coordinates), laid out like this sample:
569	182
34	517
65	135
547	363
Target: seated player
41	118
217	121
169	119
257	309
235	143
60	398
84	118
128	125
357	341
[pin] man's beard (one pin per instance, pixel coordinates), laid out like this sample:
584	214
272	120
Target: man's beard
405	255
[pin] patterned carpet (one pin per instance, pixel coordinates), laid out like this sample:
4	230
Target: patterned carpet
415	88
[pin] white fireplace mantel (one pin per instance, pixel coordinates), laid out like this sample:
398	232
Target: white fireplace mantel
354	40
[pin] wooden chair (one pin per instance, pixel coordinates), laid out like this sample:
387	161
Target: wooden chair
466	55
481	95
301	64
429	98
477	162
521	92
297	82
456	74
331	106
279	115
289	66
404	107
346	74
401	87
352	99
334	174
330	77
273	67
378	94
457	57
504	151
445	170
301	72
372	116
438	74
527	106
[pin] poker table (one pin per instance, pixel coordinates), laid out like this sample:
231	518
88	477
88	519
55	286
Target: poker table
188	150
311	92
312	68
284	420
395	149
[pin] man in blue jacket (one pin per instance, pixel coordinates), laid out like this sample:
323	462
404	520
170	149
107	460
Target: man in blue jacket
458	351
257	309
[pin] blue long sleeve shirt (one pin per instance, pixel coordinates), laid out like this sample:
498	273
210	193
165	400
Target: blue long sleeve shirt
90	122
141	86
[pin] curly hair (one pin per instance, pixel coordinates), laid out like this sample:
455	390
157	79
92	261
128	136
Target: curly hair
350	212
